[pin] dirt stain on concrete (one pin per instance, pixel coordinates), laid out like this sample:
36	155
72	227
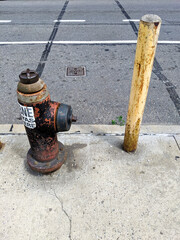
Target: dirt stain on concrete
72	163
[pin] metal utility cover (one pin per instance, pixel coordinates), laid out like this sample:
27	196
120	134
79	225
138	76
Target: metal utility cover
75	71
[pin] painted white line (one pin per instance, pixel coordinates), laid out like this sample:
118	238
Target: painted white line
5	21
169	42
83	42
95	42
69	21
24	43
110	42
70	42
131	20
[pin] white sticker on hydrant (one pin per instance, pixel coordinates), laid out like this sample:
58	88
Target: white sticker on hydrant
27	115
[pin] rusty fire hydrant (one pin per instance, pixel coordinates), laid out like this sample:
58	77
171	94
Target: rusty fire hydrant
42	119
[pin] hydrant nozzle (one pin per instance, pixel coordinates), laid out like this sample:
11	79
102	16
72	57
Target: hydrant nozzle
42	119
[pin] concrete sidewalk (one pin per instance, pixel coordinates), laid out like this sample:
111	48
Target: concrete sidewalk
101	192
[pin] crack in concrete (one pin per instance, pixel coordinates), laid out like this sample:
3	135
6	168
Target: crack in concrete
64	211
62	207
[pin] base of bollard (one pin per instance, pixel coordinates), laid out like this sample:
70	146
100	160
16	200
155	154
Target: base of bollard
47	166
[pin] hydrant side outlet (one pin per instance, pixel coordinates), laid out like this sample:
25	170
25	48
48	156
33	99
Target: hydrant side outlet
42	119
64	117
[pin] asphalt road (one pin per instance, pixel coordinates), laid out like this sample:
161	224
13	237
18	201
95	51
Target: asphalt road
103	94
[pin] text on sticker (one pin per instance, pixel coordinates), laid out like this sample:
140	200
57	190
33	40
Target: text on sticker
27	115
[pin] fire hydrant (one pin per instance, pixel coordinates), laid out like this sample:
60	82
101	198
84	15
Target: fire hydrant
42	119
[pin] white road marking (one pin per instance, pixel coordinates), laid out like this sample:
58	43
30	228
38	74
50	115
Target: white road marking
169	42
5	21
69	21
83	42
110	42
131	20
95	42
24	43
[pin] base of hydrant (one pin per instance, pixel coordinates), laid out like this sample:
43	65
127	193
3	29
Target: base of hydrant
50	166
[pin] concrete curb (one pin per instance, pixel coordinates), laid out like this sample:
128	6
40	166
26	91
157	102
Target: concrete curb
172	130
98	129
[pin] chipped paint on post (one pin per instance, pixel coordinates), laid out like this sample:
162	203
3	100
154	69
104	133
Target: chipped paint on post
145	51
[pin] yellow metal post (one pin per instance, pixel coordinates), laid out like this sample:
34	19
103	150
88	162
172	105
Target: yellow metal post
145	51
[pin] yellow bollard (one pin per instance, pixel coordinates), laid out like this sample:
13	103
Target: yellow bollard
145	51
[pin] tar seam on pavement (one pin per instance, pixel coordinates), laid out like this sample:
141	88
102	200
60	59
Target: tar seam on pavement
47	49
176	142
157	68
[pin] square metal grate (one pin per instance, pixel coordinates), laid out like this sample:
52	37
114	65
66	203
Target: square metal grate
75	71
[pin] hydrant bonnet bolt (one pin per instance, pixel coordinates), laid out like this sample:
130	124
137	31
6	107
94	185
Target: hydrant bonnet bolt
28	77
42	119
30	82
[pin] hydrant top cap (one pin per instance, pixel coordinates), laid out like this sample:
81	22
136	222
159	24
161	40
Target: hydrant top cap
29	76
